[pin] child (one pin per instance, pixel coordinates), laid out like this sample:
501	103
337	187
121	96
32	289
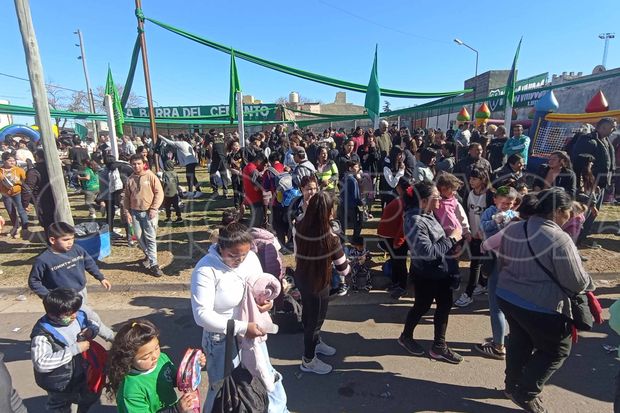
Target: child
170	183
142	377
62	265
451	215
90	185
359	259
577	217
497	216
479	199
351	202
58	339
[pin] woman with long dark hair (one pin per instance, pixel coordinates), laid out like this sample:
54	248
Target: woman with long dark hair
535	256
393	170
428	245
317	247
558	172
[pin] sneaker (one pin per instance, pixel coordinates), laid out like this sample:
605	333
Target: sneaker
480	289
132	243
464	300
489	350
315	366
179	219
531	406
197	194
92	216
167	221
324	349
445	354
397	292
146	263
156	271
340	291
412	346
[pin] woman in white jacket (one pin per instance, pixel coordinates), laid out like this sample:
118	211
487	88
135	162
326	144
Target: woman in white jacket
217	288
187	158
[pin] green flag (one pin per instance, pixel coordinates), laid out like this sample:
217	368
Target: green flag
81	131
373	93
512	78
111	90
234	88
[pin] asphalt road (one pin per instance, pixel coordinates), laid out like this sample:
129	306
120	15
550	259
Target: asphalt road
372	372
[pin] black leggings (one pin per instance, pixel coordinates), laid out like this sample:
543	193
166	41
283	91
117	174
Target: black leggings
190	175
475	265
427	291
172	202
312	316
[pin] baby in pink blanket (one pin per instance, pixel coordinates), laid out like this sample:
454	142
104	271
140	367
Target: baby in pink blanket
259	290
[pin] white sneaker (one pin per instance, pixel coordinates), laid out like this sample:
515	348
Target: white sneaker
315	366
324	349
480	290
93	215
464	300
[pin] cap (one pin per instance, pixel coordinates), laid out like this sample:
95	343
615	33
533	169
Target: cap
300	151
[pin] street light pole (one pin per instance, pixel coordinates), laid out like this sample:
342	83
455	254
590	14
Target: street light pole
606	37
89	91
462	43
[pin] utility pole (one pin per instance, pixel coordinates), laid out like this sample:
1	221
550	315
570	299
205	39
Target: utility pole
39	97
606	37
89	91
147	77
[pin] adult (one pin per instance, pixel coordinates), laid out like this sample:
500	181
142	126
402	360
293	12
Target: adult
23	155
351	203
186	156
393	170
11	180
425	166
326	171
448	158
253	189
510	174
218	163
428	244
558	172
384	140
38	181
462	140
358	138
473	160
495	148
480	135
127	147
303	166
143	198
518	143
369	155
538	311
10	402
347	155
317	248
218	285
235	163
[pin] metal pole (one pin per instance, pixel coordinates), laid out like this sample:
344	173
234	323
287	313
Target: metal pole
39	97
240	126
473	108
89	91
147	80
606	37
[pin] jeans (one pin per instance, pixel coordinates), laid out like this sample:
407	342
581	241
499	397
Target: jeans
104	331
257	220
427	291
14	207
498	320
313	313
399	262
538	344
214	346
61	402
146	233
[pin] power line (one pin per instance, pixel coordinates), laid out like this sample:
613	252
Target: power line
47	84
367	20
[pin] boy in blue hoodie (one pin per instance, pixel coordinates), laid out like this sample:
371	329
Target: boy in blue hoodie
497	216
58	339
63	265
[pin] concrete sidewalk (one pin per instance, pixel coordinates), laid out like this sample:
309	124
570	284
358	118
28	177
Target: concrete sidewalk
372	373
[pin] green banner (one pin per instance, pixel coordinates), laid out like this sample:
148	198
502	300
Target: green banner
497	102
257	112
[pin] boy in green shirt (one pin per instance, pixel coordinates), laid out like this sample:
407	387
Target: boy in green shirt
90	185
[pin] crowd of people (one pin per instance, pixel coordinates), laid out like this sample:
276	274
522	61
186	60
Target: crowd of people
444	197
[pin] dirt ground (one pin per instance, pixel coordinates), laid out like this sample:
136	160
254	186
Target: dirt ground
181	245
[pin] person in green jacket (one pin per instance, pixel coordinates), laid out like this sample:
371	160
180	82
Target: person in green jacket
89	179
142	377
519	143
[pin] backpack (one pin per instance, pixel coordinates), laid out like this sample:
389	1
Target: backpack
285	190
96	358
287	315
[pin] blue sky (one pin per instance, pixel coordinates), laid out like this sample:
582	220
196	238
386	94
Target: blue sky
331	37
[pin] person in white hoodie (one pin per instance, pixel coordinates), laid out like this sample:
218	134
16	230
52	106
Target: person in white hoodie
217	289
187	158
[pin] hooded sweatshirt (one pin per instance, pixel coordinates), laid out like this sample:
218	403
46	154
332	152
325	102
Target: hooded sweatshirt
217	291
170	180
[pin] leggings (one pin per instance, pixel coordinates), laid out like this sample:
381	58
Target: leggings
190	175
313	315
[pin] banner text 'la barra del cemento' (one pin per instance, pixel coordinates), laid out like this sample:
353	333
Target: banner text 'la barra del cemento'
259	112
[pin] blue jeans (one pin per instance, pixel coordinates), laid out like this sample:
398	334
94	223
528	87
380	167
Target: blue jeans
498	320
15	209
146	233
214	346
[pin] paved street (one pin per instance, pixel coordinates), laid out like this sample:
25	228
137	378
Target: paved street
372	372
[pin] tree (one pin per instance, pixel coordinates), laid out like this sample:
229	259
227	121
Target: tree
133	101
386	106
302	101
57	100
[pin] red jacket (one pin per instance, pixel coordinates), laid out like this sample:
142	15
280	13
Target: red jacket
252	178
391	223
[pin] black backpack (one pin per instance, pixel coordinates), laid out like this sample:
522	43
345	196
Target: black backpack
287	315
